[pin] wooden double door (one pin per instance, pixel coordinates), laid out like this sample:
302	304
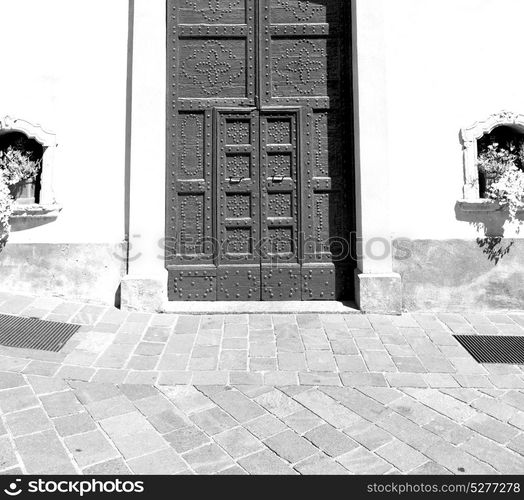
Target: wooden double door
260	170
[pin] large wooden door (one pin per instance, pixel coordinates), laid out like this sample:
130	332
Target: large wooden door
260	164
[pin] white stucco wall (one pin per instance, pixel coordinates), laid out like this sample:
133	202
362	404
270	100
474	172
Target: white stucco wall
449	64
64	66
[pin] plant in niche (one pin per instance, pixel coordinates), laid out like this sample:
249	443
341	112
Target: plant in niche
501	169
20	166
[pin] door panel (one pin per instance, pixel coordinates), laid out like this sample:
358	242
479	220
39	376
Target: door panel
238	223
259	145
280	161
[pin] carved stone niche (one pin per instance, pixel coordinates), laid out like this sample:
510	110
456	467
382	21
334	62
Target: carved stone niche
469	137
47	207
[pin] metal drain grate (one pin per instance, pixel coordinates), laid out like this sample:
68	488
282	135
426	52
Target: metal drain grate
32	333
494	348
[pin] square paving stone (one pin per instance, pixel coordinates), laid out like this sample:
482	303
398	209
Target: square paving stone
344	347
187	398
115	467
291	446
138	444
142	377
503	460
43	453
265	426
492	428
153	404
363	380
7	455
265	463
208	459
278	403
348	363
233	360
327	408
320	361
320	465
74	424
163	462
237	405
173	362
187	438
142	362
330	441
44	368
291	361
319	379
302	421
233	471
76	373
61	403
122	425
149	349
368	435
112	407
28	422
45	385
246	378
17	399
238	442
362	461
92	392
213	421
90	448
157	334
401	456
171	378
167	421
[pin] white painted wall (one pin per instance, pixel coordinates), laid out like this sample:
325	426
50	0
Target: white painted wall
64	65
449	64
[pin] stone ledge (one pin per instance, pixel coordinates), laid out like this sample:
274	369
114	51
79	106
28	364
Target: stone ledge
253	307
483	205
40	211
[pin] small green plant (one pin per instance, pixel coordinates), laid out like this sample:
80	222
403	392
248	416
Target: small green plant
6	207
502	169
18	162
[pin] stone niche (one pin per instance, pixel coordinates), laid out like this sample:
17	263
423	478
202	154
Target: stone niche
474	207
470	138
46	208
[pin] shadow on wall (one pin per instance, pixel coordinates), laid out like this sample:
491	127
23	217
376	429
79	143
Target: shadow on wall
492	222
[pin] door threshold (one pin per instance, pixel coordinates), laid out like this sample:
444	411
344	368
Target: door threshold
241	307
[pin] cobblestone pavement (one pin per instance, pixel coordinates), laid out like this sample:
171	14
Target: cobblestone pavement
259	394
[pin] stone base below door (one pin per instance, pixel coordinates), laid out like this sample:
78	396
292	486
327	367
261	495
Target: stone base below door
378	293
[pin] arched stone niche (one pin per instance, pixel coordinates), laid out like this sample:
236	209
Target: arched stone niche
469	137
47	206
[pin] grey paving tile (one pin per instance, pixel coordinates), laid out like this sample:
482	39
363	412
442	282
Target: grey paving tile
290	446
43	453
266	463
90	448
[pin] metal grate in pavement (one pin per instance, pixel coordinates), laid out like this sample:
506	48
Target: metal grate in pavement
32	333
494	348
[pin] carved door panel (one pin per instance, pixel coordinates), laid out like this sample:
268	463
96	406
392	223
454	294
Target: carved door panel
280	189
238	224
259	176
